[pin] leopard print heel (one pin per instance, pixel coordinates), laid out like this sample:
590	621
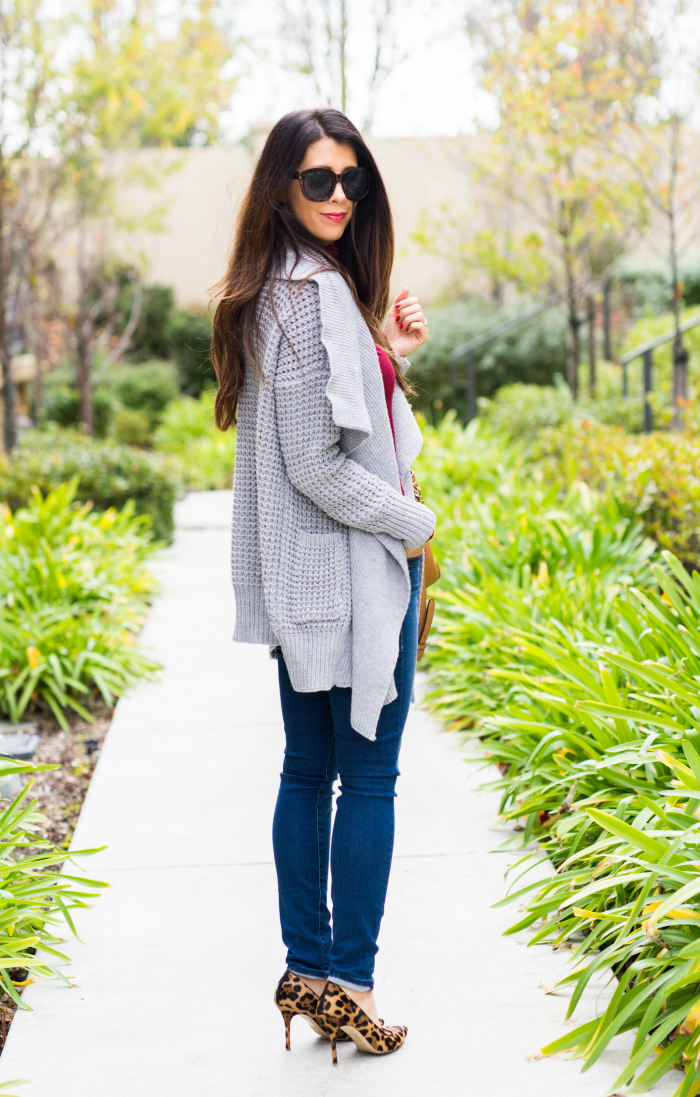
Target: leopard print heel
338	1011
292	998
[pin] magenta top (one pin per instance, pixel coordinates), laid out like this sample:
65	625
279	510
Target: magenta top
389	382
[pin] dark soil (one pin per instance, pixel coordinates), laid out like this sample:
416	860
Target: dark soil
59	794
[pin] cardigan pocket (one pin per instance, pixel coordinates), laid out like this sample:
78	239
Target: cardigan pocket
320	571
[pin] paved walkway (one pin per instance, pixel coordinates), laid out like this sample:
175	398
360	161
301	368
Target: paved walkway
173	986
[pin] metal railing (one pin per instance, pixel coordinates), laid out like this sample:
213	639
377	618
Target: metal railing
645	352
467	349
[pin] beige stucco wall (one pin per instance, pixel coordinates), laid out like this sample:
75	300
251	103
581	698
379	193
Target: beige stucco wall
200	189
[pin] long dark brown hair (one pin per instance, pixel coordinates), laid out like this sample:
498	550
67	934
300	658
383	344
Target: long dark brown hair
267	231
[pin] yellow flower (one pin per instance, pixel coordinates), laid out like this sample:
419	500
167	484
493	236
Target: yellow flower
33	656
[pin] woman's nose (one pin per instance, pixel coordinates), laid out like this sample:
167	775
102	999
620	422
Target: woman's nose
338	193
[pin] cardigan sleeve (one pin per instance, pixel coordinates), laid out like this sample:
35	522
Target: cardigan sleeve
309	439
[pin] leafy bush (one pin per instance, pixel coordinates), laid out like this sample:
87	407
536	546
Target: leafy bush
153	336
147	388
662	376
521	411
61	403
107	475
532	354
655	476
572	655
602	713
33	896
645	288
73	591
190	334
130	427
187	432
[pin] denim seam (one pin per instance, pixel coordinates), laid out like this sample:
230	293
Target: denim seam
324	955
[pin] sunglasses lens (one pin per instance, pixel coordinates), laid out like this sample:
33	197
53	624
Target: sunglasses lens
319	185
356	183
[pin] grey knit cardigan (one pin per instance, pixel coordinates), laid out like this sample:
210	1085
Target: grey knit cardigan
319	522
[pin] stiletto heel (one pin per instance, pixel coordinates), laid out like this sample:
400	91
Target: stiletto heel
334	1053
287	1018
293	997
343	1016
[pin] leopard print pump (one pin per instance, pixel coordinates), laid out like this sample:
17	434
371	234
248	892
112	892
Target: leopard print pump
294	997
342	1015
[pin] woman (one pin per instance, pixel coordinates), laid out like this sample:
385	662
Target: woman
327	539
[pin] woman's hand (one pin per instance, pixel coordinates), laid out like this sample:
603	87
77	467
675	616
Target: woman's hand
406	327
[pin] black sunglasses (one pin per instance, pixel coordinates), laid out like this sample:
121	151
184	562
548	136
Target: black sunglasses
318	184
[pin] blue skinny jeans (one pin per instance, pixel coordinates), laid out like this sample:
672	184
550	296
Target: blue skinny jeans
321	745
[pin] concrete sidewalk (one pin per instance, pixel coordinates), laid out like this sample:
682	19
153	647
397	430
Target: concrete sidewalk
173	985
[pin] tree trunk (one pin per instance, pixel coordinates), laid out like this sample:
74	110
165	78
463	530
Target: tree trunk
84	380
574	346
342	56
9	391
590	313
607	332
84	353
680	354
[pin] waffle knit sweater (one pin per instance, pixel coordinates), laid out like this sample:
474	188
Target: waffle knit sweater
320	526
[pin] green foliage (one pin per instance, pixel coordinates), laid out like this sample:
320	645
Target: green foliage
108	475
571	654
645	289
533	353
146	388
190	335
655	476
73	591
152	336
522	411
188	433
594	724
131	427
648	328
34	898
61	404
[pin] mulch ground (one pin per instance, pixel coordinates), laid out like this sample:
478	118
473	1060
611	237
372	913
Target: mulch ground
59	794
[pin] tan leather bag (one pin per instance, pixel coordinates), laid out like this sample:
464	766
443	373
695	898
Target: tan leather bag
431	574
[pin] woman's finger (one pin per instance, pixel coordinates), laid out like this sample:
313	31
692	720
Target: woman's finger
400	297
399	306
411	313
413	316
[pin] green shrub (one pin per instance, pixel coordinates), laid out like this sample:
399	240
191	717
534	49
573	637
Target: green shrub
190	334
34	898
108	475
655	476
662	376
73	591
573	658
153	337
61	403
188	433
146	388
521	411
532	354
131	427
601	713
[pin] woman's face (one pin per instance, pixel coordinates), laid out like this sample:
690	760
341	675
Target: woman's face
326	221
